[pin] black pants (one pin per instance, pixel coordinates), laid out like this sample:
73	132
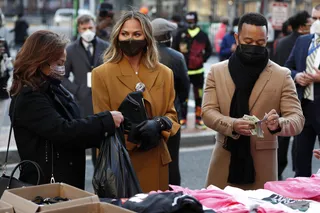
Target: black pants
197	82
174	171
283	154
94	156
306	140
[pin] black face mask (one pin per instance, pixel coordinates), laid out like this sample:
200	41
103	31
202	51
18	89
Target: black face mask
251	54
132	47
192	25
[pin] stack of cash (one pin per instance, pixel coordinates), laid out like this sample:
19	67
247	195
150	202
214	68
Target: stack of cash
257	130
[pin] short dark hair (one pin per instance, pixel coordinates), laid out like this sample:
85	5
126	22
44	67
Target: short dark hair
285	26
235	22
254	19
83	19
299	19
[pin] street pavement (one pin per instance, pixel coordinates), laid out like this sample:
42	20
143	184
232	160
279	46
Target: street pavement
194	162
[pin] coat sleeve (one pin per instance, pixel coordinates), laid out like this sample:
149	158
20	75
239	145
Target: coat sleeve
208	49
292	120
171	111
100	93
291	63
225	48
211	113
183	82
79	91
37	114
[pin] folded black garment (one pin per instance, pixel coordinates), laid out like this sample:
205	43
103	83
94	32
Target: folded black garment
167	202
134	112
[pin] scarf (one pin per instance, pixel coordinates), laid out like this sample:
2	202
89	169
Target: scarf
244	75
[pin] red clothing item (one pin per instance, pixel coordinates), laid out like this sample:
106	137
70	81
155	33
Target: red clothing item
219	36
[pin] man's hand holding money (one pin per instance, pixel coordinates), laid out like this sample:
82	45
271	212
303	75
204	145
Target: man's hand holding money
243	127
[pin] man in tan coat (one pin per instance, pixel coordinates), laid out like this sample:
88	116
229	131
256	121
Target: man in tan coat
249	84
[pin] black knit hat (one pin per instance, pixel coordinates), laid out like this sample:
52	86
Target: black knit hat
192	16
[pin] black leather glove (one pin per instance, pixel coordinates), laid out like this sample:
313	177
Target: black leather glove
150	131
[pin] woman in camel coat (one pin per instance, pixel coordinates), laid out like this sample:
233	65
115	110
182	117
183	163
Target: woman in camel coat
132	58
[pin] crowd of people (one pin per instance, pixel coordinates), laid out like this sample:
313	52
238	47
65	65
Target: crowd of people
55	119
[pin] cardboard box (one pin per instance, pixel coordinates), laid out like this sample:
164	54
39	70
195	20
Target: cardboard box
20	198
91	208
5	207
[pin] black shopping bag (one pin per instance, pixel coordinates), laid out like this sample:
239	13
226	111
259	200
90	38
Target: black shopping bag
114	176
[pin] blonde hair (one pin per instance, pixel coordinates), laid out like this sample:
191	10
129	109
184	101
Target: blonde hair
114	54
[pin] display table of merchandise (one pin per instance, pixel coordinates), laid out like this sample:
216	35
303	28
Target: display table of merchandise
290	196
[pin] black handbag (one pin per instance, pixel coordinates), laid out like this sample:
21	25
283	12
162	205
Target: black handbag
10	182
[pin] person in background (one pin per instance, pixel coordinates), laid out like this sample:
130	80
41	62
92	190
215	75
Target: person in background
181	26
194	44
304	65
105	21
222	30
271	36
20	31
5	68
173	59
249	84
132	58
83	55
285	31
228	44
300	23
47	125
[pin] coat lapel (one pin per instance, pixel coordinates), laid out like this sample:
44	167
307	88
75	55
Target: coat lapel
230	85
128	78
82	54
259	85
98	53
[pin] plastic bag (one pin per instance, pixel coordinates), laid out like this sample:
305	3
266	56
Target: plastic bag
114	176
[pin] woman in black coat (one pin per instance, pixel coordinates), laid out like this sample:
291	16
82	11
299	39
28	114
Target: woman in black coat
46	121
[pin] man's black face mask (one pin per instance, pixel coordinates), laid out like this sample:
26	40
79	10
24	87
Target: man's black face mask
251	54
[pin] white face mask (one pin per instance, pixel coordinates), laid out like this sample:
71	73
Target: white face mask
235	29
315	27
88	35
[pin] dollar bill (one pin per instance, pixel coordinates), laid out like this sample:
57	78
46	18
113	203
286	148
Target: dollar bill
257	130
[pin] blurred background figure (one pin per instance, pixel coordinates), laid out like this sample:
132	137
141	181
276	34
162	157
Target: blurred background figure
300	24
83	55
181	26
20	31
5	67
222	30
228	44
194	44
271	36
105	21
144	10
285	31
162	31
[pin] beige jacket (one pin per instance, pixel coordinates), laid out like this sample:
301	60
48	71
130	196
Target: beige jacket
274	89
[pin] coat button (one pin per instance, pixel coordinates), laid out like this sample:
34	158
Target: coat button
70	163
